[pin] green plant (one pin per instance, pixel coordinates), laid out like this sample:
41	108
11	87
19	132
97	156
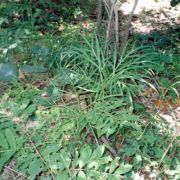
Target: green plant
174	2
41	15
43	136
66	140
10	139
108	75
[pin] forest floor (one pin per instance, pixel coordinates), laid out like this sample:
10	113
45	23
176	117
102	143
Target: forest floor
73	113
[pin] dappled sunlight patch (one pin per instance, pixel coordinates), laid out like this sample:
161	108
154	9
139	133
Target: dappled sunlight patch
152	15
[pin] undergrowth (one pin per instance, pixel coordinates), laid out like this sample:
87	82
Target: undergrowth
48	137
73	112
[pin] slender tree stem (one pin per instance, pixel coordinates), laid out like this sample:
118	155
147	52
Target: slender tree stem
99	13
126	32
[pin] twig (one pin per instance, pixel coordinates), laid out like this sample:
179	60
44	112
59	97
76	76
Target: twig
165	153
112	150
93	134
20	174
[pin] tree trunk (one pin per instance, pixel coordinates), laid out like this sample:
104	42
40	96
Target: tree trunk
99	13
127	26
112	34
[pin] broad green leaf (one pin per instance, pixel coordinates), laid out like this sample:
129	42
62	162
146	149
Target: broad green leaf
51	148
132	147
53	93
62	176
37	13
123	169
81	176
25	103
8	142
3	20
8	72
30	109
46	178
85	155
5	157
114	164
66	76
35	168
98	152
42	101
40	51
10	138
137	161
92	164
3	142
61	160
33	69
105	160
24	160
74	175
94	174
113	177
67	126
18	110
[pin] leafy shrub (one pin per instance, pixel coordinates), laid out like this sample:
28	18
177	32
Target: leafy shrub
40	14
174	2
